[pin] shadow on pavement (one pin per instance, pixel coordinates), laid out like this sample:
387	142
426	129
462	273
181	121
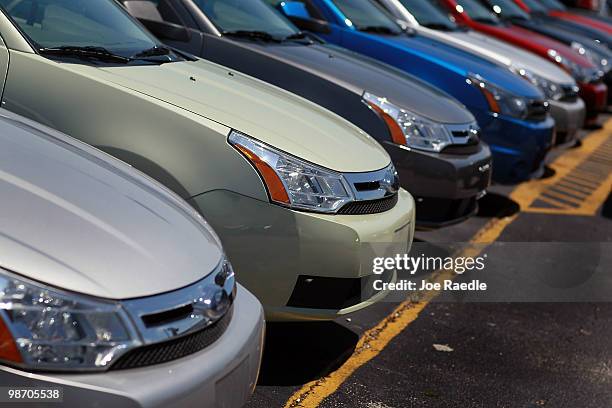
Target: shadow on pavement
296	353
548	173
606	209
497	205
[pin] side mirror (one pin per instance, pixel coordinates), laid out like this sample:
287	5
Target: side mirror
294	9
167	31
298	14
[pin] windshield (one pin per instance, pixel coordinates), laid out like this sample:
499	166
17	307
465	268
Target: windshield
251	15
477	11
79	23
428	15
365	14
536	7
507	9
553	4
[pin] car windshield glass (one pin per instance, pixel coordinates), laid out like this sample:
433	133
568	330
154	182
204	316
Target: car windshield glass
249	16
100	26
507	9
428	15
553	4
477	11
367	16
535	6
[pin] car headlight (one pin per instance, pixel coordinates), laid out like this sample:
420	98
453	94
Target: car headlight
42	328
293	182
408	128
551	90
500	100
580	73
595	57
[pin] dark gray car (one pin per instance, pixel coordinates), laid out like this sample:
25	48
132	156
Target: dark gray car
432	139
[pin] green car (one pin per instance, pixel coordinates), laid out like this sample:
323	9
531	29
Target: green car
301	199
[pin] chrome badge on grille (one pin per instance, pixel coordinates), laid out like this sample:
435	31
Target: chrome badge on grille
195	307
390	182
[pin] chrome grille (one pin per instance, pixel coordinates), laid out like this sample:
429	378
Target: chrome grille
374	191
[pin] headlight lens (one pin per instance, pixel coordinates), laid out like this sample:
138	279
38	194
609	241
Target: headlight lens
580	73
47	329
293	182
500	100
596	58
551	90
408	128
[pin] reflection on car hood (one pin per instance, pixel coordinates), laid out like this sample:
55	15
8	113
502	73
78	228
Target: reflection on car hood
459	61
77	219
263	111
359	73
502	53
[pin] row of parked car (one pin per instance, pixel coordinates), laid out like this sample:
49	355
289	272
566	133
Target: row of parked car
310	135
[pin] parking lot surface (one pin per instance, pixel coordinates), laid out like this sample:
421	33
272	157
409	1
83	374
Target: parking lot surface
494	354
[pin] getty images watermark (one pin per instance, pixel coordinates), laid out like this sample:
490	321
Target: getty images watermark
406	264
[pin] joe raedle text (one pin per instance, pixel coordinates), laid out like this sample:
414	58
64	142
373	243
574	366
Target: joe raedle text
446	285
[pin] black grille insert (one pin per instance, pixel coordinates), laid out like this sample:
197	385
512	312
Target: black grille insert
570	93
369	206
317	292
174	348
537	110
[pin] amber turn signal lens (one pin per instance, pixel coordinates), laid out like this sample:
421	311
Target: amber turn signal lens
396	131
275	186
8	348
493	105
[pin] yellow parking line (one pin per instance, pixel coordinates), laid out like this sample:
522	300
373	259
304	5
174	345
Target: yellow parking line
374	340
573	192
558	205
549	193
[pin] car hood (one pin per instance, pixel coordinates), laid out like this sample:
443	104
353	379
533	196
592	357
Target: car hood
540	40
503	53
360	73
265	112
460	62
79	220
565	35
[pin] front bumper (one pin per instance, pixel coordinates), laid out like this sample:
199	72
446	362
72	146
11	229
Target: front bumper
569	119
222	375
519	147
273	249
445	186
608	81
595	97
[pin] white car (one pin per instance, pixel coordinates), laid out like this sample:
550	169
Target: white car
113	291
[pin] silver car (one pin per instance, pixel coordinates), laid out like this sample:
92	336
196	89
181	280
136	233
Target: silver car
560	88
113	291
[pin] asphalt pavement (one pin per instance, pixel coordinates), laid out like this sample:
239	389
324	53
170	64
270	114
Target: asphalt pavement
499	353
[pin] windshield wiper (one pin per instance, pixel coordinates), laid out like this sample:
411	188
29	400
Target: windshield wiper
252	34
99	53
155	51
438	26
378	29
302	35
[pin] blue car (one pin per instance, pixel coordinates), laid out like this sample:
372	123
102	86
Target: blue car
512	113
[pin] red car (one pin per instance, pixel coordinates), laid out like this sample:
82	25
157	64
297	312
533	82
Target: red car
592	89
